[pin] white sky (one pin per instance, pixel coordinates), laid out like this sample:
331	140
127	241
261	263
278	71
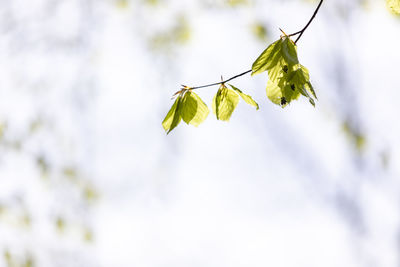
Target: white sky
273	187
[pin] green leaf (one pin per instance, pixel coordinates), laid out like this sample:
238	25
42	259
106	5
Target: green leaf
298	81
281	95
194	110
393	6
224	103
245	97
289	52
279	58
274	93
173	117
268	58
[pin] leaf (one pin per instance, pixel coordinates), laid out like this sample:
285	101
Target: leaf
268	58
173	117
245	97
393	6
274	93
281	95
278	59
287	78
298	81
289	52
194	110
224	103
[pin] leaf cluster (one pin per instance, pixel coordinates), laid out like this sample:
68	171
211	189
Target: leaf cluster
189	107
288	79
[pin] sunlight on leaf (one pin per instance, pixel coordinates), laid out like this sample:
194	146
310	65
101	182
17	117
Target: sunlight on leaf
173	117
224	103
287	78
194	110
187	106
248	99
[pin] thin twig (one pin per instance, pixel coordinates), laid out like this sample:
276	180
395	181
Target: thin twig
309	22
212	84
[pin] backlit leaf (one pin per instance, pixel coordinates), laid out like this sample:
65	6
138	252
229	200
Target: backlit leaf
268	58
173	116
224	103
278	58
245	97
289	52
274	93
287	78
194	110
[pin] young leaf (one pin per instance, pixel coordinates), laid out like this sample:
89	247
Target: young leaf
173	117
274	93
245	97
269	57
278	58
281	95
194	110
224	103
287	78
298	81
289	52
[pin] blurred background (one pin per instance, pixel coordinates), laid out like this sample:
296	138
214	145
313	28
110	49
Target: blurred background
88	176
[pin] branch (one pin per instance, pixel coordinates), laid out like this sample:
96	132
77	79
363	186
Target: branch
243	73
234	77
308	24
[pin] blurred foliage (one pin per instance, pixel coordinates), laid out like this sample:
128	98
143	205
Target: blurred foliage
355	136
288	79
87	235
152	2
226	100
2	130
16	261
234	3
122	4
60	224
178	34
43	166
260	31
393	6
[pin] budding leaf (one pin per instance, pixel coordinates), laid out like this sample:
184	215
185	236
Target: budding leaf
194	110
224	103
245	97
